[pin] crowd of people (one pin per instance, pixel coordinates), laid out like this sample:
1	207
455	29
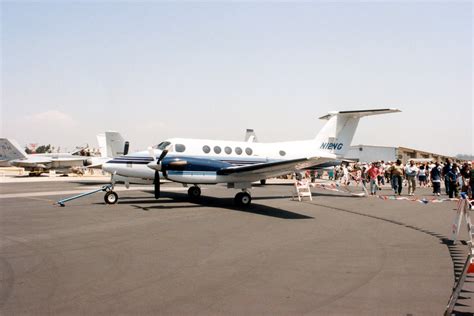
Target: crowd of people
454	177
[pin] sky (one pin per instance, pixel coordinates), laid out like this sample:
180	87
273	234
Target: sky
156	70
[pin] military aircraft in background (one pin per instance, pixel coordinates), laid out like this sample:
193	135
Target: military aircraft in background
111	145
236	164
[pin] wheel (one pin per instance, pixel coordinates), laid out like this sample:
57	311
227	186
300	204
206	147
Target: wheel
194	192
263	181
242	199
111	197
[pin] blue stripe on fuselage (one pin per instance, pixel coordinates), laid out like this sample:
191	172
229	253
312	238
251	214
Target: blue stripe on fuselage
146	160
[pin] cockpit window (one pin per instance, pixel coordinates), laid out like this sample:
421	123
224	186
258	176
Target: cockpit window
163	145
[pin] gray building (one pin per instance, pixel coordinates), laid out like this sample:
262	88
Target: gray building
368	153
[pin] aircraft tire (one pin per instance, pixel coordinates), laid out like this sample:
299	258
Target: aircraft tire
194	192
242	199
263	181
111	197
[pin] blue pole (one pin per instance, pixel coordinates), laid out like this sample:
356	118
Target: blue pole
61	202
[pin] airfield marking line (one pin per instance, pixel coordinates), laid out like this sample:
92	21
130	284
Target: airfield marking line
39	199
77	191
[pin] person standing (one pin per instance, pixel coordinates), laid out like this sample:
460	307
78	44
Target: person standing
471	180
422	176
396	173
435	175
364	176
380	177
411	170
452	177
465	175
447	167
373	173
345	175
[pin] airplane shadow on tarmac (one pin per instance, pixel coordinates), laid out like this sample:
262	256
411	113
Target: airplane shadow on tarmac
207	201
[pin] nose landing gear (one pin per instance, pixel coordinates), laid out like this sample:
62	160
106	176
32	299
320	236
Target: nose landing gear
111	197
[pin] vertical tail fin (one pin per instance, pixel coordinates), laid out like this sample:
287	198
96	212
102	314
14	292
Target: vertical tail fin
250	136
111	144
336	136
11	150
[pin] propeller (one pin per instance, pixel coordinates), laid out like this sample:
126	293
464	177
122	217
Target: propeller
156	165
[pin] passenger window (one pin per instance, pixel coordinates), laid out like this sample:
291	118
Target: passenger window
228	150
217	149
238	150
180	148
248	151
282	153
206	149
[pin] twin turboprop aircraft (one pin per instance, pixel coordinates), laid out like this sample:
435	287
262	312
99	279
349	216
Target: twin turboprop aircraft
237	164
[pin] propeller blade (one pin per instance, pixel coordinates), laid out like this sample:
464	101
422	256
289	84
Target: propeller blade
162	156
156	182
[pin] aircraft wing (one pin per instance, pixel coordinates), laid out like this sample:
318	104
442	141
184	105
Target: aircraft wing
65	159
270	168
47	162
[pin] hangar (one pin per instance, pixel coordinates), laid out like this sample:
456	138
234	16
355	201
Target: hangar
368	153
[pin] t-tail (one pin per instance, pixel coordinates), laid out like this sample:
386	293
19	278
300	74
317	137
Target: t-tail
11	150
336	136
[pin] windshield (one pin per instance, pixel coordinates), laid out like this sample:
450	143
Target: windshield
163	145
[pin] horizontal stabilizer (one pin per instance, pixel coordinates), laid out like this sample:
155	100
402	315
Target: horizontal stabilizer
358	113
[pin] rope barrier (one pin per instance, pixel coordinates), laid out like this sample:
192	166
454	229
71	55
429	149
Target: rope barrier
336	187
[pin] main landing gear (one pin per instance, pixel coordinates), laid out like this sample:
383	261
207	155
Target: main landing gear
242	199
194	192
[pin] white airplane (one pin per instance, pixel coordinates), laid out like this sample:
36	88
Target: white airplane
111	145
237	164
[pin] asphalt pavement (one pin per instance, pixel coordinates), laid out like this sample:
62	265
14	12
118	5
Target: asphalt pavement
335	255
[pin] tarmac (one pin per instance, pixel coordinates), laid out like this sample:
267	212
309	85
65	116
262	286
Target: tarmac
335	255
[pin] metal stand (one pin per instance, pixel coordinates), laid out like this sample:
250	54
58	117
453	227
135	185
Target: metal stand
462	211
302	190
105	188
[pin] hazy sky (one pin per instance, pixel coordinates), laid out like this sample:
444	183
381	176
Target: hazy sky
154	70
